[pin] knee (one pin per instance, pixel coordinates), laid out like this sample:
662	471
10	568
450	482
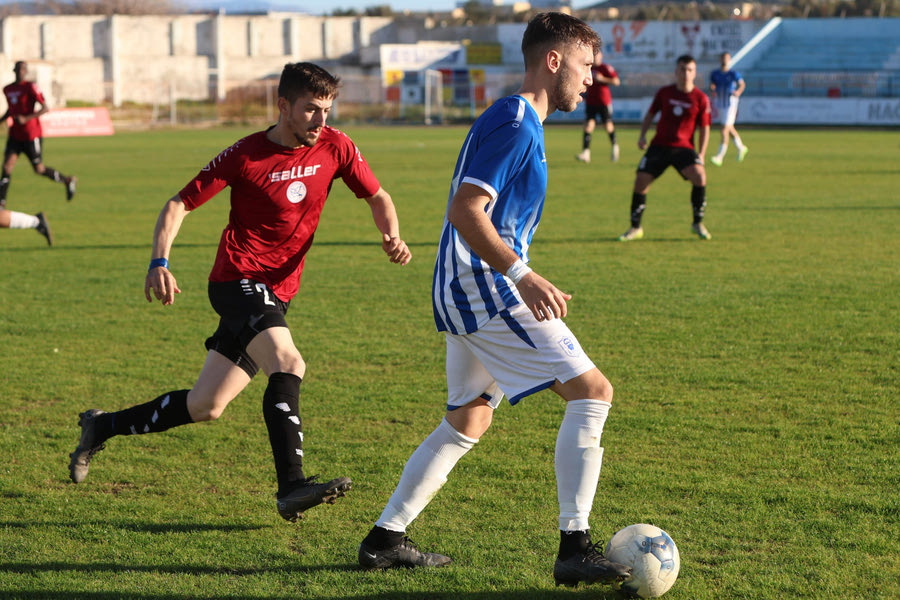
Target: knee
603	390
291	362
205	408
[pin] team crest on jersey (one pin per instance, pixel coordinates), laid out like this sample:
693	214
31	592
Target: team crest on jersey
296	192
569	346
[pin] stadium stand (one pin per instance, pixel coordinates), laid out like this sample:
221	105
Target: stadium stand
824	58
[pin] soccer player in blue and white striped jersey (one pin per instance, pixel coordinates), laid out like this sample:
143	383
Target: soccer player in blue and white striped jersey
502	321
726	86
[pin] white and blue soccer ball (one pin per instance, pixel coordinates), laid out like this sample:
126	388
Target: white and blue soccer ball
652	556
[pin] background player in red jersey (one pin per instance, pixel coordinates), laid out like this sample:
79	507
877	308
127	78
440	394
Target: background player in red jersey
682	108
598	103
25	133
279	179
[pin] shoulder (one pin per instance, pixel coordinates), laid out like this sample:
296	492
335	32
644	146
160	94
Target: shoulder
335	137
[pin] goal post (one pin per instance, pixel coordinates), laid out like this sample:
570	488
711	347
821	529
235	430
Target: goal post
434	97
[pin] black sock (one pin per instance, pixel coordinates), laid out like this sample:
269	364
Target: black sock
382	539
51	173
586	142
698	202
612	137
162	413
638	204
281	410
573	542
4	185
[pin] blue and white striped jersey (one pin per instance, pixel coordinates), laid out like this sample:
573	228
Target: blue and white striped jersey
504	155
726	83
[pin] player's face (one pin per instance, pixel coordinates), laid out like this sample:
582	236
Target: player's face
725	61
305	118
573	78
21	72
685	73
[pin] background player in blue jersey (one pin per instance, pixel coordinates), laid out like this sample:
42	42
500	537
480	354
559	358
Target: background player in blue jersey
726	87
502	321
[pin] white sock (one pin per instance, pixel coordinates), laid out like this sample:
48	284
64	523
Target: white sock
578	460
19	220
424	474
723	148
737	143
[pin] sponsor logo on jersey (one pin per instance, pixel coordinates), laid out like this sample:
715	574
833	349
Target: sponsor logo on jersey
679	107
296	192
569	346
294	173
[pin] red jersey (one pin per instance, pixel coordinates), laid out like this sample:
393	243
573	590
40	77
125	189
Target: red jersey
22	98
599	93
277	196
680	114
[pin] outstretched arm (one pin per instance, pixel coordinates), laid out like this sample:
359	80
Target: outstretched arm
466	214
385	216
159	279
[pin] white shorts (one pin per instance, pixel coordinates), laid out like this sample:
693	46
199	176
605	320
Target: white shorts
727	110
512	354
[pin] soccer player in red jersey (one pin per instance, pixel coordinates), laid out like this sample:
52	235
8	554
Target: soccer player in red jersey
598	103
682	108
25	133
279	179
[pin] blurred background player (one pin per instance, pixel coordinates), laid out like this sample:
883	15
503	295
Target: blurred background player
10	219
598	103
682	108
25	133
726	87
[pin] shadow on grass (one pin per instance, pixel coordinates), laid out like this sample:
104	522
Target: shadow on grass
583	592
138	527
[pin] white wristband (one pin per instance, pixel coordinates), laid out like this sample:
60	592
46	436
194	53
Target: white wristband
517	271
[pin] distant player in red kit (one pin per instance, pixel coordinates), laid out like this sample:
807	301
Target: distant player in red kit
279	179
598	104
25	133
682	108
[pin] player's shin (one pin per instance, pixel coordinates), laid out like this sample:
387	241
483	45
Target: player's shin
578	460
638	204
424	474
281	402
160	414
698	202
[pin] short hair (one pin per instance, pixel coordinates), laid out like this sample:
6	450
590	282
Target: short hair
19	64
304	77
724	54
685	59
549	29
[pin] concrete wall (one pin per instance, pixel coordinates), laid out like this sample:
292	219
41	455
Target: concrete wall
146	58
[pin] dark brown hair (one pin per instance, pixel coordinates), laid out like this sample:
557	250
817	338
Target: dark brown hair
303	77
549	29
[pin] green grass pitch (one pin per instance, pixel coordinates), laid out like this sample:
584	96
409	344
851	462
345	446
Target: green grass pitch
755	417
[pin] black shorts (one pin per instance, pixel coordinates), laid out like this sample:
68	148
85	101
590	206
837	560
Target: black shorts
659	158
31	149
591	113
245	308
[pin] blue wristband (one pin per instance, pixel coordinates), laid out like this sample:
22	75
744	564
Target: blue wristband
158	262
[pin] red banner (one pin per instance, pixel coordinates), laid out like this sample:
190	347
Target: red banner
70	122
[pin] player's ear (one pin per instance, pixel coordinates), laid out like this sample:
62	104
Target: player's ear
284	107
553	60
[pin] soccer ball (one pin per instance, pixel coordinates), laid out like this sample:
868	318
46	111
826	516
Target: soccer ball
652	556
